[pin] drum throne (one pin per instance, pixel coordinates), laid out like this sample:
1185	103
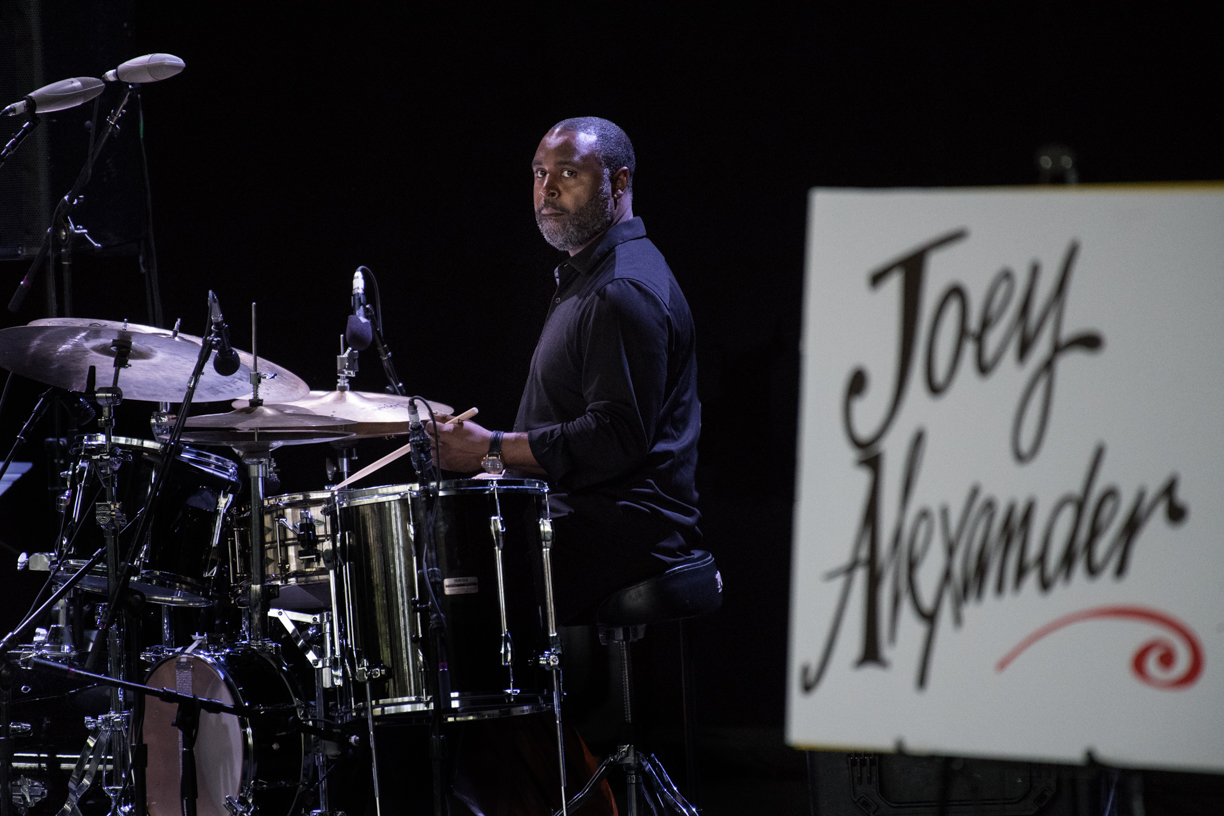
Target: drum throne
688	589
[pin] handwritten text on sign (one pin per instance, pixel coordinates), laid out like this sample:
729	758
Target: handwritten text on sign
966	476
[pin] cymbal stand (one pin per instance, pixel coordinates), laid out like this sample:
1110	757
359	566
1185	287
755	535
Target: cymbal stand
112	728
110	517
258	460
170	449
346	449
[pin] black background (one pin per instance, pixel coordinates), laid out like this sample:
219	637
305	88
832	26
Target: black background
305	139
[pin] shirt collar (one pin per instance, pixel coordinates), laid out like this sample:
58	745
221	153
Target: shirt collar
589	258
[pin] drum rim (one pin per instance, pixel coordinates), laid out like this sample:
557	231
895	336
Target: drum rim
367	495
454	487
201	459
311	497
168	589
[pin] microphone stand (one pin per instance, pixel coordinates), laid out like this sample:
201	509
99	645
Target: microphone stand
169	451
39	409
28	125
395	386
438	680
63	209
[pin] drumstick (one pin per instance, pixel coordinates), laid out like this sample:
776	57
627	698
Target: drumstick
370	468
468	414
398	452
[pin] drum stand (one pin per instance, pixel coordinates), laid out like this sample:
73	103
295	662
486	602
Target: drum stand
357	669
324	679
551	659
255	612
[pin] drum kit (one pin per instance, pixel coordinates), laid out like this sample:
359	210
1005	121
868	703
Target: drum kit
251	642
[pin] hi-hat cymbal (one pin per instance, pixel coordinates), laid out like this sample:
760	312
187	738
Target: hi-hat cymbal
360	406
59	352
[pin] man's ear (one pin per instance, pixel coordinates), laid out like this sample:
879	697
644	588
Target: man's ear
620	181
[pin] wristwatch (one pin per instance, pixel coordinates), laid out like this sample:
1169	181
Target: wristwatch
492	463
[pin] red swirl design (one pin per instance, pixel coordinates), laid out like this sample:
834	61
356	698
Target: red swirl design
1156	659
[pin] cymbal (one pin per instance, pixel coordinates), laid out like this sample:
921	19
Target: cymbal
263	427
252	441
59	351
362	407
267	418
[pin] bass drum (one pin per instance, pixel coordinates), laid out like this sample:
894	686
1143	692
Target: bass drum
242	767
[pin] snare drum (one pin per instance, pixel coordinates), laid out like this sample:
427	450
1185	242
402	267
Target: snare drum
243	766
175	561
298	544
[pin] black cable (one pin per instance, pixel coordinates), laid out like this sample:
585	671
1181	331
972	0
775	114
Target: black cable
93	130
4	394
152	285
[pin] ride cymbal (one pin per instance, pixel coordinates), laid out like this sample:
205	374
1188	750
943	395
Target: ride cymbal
59	352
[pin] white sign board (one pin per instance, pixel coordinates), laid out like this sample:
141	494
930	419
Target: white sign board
1009	529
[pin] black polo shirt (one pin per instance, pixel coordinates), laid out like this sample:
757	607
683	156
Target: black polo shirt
610	404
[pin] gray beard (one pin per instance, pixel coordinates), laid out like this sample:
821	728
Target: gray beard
576	229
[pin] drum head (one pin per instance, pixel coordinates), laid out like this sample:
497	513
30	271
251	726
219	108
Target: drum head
251	764
219	748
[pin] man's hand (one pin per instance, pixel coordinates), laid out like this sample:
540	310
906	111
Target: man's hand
459	446
462	445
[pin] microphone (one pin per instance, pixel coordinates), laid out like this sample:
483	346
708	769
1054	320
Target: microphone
421	448
358	334
67	93
78	407
149	68
226	362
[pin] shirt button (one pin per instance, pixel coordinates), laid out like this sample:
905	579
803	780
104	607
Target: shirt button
558	300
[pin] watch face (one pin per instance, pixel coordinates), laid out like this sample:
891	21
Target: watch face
492	464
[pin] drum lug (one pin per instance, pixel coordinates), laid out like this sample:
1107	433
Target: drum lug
329	554
550	660
366	672
507	649
243	804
